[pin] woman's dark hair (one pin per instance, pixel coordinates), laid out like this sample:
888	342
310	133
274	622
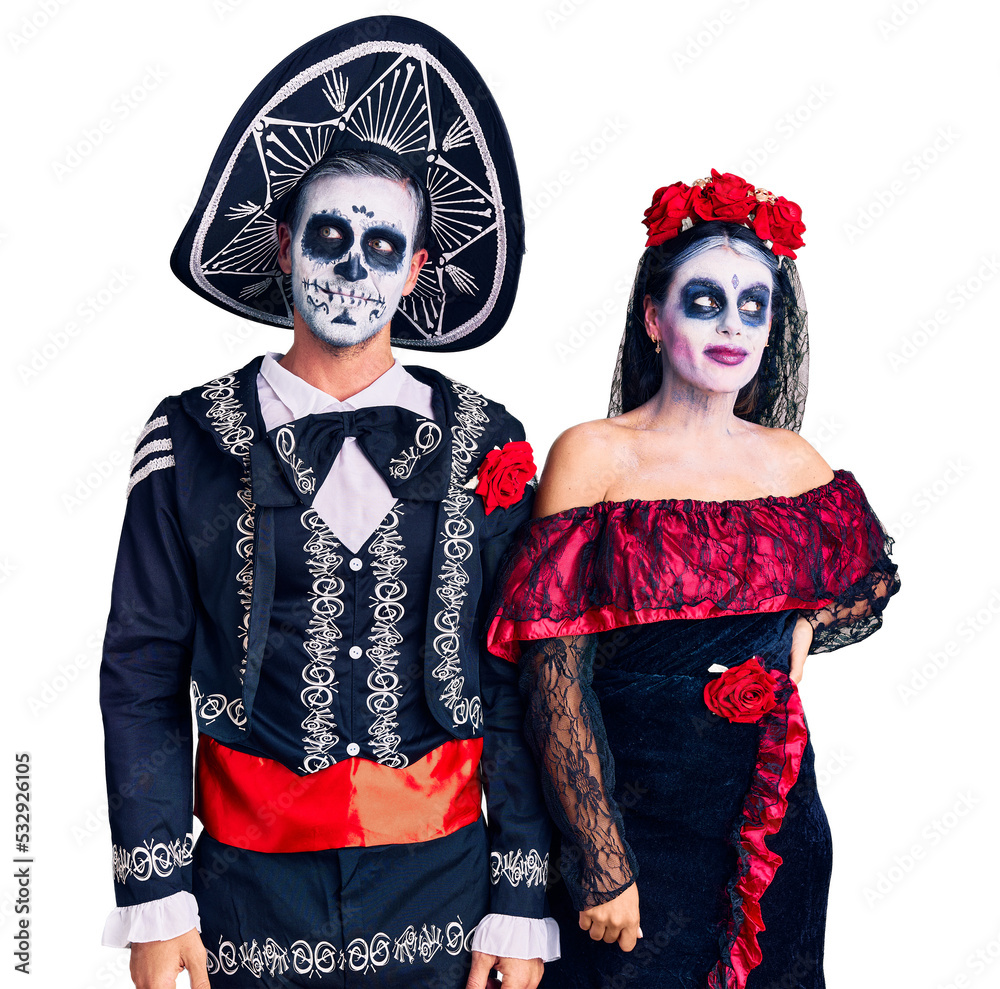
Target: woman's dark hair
776	395
357	162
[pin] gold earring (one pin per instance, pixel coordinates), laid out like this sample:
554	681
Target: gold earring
657	346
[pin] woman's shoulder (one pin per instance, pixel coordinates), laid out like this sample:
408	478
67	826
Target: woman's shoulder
579	467
795	464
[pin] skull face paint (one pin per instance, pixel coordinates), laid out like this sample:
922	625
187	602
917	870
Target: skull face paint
713	335
350	255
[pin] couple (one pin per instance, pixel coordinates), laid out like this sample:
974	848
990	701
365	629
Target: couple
312	543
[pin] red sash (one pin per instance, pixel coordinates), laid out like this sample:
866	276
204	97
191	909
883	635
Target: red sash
258	804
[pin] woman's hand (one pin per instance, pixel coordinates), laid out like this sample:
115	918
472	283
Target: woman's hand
802	636
616	920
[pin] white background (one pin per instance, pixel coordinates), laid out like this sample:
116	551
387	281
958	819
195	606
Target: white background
879	118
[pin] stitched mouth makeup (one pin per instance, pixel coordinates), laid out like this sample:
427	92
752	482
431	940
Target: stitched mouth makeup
349	297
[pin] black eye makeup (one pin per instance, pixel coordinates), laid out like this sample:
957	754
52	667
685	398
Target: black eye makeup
327	237
753	303
384	247
702	298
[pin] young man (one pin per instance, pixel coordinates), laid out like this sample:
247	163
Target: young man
310	546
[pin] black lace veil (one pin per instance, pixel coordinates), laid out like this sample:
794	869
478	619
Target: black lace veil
777	395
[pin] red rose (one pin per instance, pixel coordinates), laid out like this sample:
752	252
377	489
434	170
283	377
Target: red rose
726	197
743	693
781	223
504	475
672	204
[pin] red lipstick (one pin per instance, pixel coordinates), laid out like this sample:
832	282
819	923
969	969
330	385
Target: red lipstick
729	356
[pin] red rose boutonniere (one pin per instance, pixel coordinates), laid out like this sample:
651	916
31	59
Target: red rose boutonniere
744	693
504	474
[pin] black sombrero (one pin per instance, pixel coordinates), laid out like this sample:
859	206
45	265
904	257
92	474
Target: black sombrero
385	84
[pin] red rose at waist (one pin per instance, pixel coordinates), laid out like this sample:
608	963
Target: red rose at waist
504	474
743	693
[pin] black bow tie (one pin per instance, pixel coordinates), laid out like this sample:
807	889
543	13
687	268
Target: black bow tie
405	448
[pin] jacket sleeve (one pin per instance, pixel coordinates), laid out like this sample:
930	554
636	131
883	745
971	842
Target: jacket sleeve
145	681
518	823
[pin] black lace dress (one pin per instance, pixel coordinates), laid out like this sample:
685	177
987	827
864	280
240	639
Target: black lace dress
656	762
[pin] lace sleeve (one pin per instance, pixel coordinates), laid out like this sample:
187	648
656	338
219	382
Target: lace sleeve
565	731
857	611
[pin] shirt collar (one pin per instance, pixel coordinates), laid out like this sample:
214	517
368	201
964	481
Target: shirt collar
302	398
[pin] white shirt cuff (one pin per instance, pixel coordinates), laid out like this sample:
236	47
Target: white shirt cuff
503	936
155	920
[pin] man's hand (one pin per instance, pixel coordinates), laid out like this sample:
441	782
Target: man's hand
156	964
518	973
616	920
802	637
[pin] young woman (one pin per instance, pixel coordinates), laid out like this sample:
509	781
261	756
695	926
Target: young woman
691	550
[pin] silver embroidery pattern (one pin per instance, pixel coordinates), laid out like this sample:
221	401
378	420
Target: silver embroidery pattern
154	423
453	579
152	858
426	440
158	463
211	706
387	549
227	417
284	442
319	958
153	446
517	867
143	450
321	638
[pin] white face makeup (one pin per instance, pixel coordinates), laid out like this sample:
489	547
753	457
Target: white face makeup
350	255
715	321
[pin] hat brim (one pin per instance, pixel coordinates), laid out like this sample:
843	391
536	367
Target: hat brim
397	87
